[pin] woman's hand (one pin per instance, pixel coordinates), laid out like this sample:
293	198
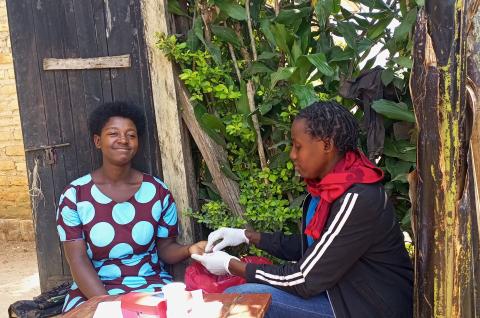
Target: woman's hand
197	248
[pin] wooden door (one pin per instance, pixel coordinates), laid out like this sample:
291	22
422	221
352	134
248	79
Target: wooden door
54	105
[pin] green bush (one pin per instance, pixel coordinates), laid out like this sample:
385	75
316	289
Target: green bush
299	56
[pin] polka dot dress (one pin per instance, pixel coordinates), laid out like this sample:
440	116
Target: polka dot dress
120	237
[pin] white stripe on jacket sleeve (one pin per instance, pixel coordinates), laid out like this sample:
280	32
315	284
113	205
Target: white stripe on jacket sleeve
320	248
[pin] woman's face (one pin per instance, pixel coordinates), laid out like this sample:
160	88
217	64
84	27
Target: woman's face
311	156
118	140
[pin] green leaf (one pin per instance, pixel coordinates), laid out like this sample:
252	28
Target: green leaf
378	29
279	160
320	62
193	42
292	16
258	68
364	44
296	50
374	4
266	55
406	25
420	3
392	110
297	202
226	34
368	65
265	26
323	9
265	108
387	76
403	61
398	169
305	94
282	37
215	52
214	123
348	31
242	102
225	168
198	29
201	111
282	74
174	7
233	10
337	54
400	149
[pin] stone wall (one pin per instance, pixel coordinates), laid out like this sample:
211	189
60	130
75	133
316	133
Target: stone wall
14	198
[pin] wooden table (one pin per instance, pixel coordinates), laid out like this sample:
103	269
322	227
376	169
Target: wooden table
234	305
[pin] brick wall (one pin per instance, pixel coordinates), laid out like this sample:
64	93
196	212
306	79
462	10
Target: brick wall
14	199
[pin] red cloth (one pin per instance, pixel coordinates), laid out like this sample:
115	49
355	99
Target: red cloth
353	168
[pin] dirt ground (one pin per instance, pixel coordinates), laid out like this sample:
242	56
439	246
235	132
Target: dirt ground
18	273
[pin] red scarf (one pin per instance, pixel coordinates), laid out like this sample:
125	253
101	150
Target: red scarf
353	168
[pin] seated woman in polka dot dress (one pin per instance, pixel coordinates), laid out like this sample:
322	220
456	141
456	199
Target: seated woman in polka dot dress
118	225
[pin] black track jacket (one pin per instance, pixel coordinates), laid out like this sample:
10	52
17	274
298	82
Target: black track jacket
360	259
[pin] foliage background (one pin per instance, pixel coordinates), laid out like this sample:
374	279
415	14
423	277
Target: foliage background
291	53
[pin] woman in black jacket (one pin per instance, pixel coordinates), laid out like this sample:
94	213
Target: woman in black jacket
350	259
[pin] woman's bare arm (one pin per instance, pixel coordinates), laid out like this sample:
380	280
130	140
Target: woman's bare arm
171	252
82	269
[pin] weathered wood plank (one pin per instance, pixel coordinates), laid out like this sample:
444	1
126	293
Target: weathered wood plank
212	153
120	61
34	128
175	158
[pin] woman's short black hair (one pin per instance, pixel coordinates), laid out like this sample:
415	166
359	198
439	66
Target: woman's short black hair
99	117
329	119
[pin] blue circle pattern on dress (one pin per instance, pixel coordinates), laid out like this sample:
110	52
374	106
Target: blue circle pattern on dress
142	232
131	261
154	258
109	272
121	250
89	251
70	217
61	233
116	291
86	211
145	193
134	281
65	302
170	217
152	246
60	201
82	180
99	196
157	210
156	285
97	264
146	270
162	231
165	201
71	194
102	234
161	183
123	213
72	303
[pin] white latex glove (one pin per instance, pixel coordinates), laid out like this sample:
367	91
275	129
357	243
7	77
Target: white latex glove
216	262
229	237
